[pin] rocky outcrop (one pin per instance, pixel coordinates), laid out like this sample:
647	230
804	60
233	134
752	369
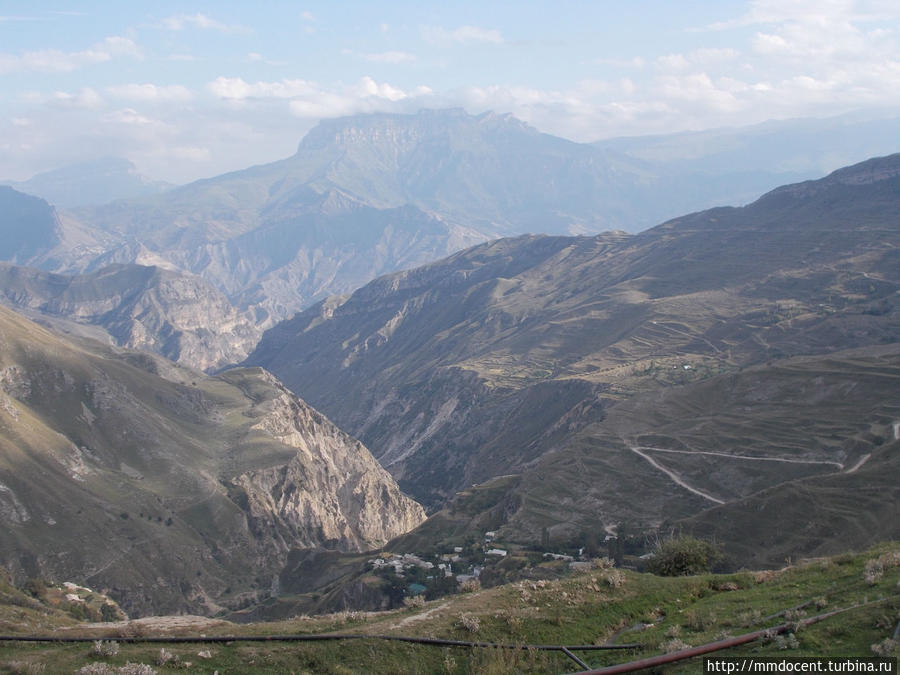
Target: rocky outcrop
140	307
333	493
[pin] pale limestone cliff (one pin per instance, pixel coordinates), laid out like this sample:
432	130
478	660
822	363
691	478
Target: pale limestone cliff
149	308
332	493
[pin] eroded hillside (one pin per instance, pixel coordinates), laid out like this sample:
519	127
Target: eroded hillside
172	490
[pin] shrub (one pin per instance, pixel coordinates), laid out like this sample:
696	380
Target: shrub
36	587
108	612
136	669
470	586
470	622
683	556
885	648
673	645
105	648
97	668
787	641
873	572
165	656
614	578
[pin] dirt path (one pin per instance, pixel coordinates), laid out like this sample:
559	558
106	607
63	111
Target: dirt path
418	617
862	460
674	476
157	623
747	457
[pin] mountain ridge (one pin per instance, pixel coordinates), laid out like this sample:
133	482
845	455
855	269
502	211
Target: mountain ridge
462	178
96	181
513	357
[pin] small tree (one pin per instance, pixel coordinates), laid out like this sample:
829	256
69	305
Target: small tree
683	556
108	612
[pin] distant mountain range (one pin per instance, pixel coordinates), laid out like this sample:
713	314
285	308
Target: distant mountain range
371	194
625	378
94	182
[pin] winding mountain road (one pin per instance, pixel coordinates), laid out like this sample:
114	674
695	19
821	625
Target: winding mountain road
674	476
643	450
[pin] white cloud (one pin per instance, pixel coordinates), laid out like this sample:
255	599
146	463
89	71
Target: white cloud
634	62
700	91
462	35
702	57
813	11
673	62
391	57
235	88
56	61
256	57
365	96
369	87
180	22
712	55
151	92
130	116
83	99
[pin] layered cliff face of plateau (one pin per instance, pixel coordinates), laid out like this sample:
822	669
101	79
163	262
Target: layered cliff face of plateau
172	490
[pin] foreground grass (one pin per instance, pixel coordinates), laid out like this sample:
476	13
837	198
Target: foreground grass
591	608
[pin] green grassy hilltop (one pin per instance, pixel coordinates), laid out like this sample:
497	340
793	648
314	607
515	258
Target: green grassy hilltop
602	605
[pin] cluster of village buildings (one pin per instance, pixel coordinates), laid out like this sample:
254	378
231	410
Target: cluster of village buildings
452	564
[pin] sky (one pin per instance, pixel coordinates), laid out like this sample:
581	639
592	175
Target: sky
188	90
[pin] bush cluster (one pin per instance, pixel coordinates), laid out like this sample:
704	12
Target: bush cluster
683	556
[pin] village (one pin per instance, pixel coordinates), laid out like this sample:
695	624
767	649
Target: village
481	563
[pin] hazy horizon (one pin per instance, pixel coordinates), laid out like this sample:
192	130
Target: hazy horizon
192	90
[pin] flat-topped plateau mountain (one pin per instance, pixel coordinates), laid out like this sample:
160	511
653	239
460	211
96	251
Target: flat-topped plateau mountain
171	490
635	378
371	194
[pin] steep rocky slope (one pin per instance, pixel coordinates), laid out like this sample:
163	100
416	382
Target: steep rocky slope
523	355
171	490
29	225
140	307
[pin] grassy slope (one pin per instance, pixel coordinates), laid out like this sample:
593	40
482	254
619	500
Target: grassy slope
589	608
